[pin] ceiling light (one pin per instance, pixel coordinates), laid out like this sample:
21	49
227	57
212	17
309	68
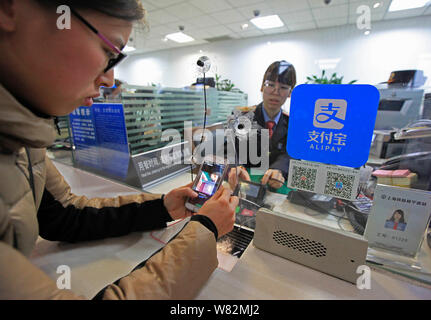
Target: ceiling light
367	32
179	37
244	26
376	5
397	5
129	48
267	22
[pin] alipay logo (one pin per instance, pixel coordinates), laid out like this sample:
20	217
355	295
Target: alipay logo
330	113
332	123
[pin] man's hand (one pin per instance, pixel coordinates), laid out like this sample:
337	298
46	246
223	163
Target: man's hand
242	175
274	178
176	199
220	208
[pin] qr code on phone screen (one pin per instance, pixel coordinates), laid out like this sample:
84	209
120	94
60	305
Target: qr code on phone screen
339	185
303	178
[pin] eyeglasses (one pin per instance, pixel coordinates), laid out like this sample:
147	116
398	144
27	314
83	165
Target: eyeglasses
271	86
112	62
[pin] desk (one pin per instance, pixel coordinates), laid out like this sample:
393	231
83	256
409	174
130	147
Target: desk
257	275
261	275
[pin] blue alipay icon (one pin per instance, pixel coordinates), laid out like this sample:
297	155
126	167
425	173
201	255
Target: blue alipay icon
332	123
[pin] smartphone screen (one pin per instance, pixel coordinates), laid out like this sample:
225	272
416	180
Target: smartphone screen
209	179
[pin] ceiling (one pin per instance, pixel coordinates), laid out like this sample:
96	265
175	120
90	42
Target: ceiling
211	20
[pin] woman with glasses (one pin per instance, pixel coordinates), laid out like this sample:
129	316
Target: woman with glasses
277	85
48	69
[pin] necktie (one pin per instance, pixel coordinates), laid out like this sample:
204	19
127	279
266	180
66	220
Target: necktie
270	125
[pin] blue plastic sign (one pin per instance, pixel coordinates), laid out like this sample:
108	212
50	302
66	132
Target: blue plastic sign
332	123
100	137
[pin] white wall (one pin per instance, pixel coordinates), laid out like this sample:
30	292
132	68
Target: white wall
392	45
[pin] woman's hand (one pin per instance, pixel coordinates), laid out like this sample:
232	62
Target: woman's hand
220	208
176	199
274	178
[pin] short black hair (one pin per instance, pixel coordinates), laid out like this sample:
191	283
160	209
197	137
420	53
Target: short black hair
129	10
281	71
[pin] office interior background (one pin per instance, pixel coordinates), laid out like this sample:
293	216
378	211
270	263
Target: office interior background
358	40
315	36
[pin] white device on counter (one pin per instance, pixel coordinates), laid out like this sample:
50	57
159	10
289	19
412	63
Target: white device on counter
322	248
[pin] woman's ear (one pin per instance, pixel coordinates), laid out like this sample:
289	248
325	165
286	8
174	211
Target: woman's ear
7	15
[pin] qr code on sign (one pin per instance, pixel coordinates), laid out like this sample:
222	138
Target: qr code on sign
339	185
303	178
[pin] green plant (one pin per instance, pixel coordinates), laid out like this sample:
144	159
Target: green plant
323	79
225	84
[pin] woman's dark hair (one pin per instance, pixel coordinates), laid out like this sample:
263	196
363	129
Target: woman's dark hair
281	71
129	10
401	213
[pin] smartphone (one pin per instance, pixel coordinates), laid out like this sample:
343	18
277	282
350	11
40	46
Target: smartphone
209	178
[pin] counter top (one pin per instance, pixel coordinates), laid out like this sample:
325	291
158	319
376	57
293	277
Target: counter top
257	274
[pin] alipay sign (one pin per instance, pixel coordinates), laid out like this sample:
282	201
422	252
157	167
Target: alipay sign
332	124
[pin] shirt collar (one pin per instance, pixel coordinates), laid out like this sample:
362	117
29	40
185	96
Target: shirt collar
267	118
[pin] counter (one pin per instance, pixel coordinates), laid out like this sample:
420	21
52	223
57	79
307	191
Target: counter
257	274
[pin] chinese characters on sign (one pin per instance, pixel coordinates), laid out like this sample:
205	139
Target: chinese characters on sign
404	200
148	164
157	164
99	135
326	141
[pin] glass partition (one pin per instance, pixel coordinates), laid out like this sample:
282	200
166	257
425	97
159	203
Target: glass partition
114	136
150	110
